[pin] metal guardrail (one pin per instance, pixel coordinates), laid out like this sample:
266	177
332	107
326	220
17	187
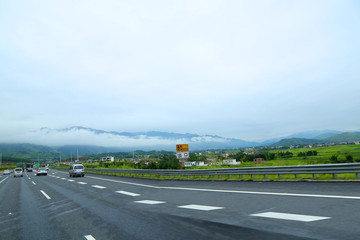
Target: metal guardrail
333	169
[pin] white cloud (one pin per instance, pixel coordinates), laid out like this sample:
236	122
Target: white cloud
209	67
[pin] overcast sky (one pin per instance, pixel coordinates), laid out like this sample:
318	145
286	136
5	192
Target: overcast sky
252	70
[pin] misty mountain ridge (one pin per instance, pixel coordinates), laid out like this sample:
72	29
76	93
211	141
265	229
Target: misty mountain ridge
89	140
167	140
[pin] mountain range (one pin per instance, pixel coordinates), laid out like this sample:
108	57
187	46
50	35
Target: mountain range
92	141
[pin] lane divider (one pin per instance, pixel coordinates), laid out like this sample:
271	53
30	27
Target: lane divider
97	186
233	191
128	193
47	196
292	217
200	207
151	202
4	179
33	182
89	237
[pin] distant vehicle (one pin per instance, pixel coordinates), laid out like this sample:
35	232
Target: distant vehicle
20	165
77	170
29	167
41	171
18	172
6	172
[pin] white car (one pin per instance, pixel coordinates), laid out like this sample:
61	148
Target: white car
6	172
41	171
77	170
18	172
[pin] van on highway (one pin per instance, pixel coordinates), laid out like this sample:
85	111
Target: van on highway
77	170
18	172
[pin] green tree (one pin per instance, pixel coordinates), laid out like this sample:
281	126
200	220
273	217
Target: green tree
349	158
334	159
169	162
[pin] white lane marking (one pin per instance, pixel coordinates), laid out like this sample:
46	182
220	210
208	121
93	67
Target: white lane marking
200	207
288	216
150	202
89	237
63	178
4	179
233	191
47	196
128	193
70	180
33	182
53	173
82	183
97	186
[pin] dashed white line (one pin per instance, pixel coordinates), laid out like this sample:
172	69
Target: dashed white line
89	237
128	193
70	180
151	202
200	207
97	186
233	191
47	196
4	179
63	178
292	217
83	183
33	182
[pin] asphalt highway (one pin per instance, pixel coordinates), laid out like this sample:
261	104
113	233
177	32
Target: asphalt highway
111	207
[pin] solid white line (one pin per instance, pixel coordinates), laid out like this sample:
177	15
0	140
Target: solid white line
82	183
150	202
97	186
200	207
33	182
233	191
47	196
128	193
89	237
292	217
4	179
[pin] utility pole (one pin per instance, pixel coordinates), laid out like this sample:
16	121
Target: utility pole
0	158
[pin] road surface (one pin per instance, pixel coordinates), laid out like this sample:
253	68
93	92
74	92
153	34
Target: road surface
109	207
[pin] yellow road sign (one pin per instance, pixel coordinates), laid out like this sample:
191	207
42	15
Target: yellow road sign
182	147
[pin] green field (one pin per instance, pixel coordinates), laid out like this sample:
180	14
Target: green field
323	157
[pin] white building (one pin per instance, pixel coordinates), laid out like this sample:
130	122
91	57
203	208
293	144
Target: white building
107	159
230	162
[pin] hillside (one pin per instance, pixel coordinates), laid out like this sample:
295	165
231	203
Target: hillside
344	137
295	141
338	138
